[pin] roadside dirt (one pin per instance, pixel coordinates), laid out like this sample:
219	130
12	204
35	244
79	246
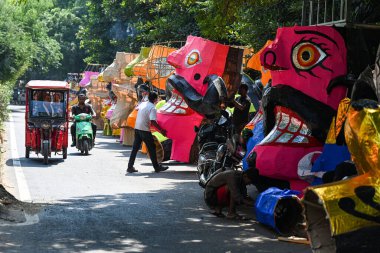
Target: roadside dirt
11	209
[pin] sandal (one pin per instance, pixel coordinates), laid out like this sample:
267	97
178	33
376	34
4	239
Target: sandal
217	214
236	217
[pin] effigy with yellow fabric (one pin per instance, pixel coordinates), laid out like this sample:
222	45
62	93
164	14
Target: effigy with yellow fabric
339	211
335	151
97	94
107	130
344	216
130	69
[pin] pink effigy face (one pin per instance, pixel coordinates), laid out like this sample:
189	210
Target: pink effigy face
305	63
198	59
308	59
194	62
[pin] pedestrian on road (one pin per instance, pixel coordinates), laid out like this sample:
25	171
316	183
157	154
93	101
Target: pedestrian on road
228	189
146	116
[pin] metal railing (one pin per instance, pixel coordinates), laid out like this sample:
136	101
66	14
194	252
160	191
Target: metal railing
326	12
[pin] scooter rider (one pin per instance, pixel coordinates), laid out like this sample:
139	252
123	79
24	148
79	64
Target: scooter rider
79	108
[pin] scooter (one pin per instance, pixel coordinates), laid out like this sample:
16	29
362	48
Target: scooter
84	135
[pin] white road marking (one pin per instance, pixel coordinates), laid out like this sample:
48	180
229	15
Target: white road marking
24	194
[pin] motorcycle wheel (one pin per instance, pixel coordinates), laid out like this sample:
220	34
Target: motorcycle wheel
85	147
27	152
64	153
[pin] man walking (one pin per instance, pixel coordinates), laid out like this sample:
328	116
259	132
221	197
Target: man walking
146	116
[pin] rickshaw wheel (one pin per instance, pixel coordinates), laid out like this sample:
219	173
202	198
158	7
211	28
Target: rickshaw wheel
46	159
64	153
27	152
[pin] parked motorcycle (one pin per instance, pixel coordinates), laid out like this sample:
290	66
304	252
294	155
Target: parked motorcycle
215	157
84	135
214	132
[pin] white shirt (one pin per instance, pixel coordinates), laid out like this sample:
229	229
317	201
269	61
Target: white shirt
146	111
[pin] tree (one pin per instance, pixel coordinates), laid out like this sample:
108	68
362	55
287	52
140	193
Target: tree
62	26
16	45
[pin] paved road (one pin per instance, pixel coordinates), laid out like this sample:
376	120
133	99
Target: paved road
88	204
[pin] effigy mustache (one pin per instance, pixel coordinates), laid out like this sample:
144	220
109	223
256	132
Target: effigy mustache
315	114
208	104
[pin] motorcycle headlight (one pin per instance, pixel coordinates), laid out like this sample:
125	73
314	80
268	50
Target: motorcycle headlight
45	125
82	117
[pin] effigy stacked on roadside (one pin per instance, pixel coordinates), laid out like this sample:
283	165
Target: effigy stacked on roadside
206	72
255	93
307	65
95	88
98	94
135	70
123	88
344	216
255	63
152	70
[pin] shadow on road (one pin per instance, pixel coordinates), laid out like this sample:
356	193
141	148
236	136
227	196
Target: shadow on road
36	162
170	220
184	175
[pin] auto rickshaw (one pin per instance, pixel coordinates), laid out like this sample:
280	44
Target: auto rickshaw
46	118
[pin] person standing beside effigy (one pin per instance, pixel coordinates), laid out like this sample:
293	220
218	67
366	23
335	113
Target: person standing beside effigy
240	117
146	117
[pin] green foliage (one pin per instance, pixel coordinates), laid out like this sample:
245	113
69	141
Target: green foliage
5	94
15	45
170	20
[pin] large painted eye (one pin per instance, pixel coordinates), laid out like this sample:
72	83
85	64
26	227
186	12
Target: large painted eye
193	58
307	55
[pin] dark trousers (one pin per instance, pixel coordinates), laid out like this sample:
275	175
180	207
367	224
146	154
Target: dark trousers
73	130
147	138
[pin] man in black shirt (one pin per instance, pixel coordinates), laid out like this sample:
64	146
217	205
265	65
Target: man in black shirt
242	104
81	107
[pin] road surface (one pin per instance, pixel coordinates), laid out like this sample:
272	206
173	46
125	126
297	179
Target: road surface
88	204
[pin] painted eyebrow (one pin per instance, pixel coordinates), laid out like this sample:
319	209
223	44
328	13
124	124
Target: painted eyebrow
316	33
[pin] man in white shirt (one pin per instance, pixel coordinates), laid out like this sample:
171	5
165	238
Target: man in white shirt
146	116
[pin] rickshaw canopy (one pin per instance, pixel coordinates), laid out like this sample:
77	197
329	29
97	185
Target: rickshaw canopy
47	84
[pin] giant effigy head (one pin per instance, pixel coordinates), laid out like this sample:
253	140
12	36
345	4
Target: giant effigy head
206	72
308	67
308	59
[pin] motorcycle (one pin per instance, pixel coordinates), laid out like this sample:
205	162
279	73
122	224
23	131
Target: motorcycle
84	135
214	132
215	157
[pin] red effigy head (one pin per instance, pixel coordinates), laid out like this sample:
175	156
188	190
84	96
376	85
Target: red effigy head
200	58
